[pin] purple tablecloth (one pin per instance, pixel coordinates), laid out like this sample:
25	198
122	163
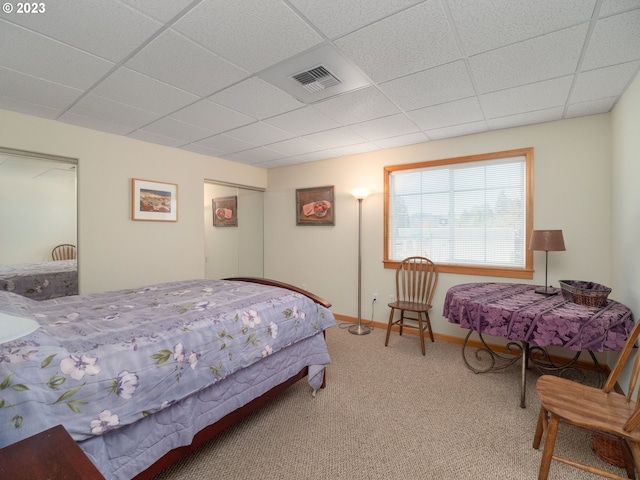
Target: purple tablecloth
516	312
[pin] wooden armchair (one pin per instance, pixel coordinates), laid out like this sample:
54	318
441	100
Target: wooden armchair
416	280
65	251
602	411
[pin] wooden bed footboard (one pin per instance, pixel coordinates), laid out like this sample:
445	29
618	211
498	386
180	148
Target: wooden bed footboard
276	283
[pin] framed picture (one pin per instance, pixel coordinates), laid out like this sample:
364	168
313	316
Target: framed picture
225	212
315	206
154	201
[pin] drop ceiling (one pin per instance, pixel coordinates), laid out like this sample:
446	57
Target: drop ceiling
213	76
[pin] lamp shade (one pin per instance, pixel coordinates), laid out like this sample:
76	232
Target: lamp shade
360	193
547	241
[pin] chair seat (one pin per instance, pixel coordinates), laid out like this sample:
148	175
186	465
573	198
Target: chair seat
410	306
608	412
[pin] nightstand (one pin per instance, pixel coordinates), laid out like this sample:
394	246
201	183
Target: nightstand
49	455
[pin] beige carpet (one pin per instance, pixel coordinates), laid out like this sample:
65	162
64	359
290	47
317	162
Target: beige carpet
389	413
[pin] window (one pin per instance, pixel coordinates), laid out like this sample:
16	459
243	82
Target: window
469	215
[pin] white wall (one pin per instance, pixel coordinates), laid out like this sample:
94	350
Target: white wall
114	251
572	182
625	229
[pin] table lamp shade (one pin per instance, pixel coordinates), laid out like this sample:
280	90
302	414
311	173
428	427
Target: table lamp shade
547	241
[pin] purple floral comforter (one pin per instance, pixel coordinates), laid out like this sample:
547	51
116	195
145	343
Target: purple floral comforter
41	281
516	312
102	361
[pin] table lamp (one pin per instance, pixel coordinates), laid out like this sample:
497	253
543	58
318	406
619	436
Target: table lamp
547	241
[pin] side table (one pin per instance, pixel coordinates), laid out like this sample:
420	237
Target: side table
49	455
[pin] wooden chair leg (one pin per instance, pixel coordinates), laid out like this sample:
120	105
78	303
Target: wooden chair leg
549	445
628	460
401	321
540	427
421	333
428	320
386	342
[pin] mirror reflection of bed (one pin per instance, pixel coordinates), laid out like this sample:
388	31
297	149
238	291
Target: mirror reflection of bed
37	212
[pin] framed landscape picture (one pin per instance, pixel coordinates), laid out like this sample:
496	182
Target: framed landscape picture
315	206
154	201
225	212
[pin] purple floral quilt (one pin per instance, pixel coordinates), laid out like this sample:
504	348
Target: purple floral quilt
102	361
516	312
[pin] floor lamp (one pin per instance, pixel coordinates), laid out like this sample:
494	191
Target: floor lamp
359	329
547	241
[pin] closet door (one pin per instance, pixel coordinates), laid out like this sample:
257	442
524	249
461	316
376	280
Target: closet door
234	250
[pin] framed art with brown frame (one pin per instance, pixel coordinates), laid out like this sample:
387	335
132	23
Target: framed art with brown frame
315	206
225	212
154	201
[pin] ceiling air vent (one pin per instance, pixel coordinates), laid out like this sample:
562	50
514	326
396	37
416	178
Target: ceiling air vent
316	79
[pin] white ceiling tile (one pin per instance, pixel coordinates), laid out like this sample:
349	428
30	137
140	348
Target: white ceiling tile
490	24
603	82
162	10
253	35
110	112
226	144
94	123
593	107
400	45
315	156
36	55
402	140
359	106
256	98
169	127
16	105
458	130
355	149
155	138
126	86
344	16
391	126
614	40
549	56
447	114
528	98
255	155
197	148
295	146
430	87
36	90
261	133
611	7
529	118
108	29
212	116
193	68
336	138
303	121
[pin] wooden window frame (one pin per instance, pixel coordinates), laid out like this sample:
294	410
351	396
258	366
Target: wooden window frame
462	269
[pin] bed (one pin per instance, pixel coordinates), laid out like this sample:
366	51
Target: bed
141	377
41	281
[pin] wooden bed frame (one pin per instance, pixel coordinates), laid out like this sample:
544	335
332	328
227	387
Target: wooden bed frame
225	422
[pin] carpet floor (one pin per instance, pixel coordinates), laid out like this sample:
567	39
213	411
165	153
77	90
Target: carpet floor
390	413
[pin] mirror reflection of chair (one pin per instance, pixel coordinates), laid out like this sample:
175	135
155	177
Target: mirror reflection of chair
604	412
416	280
65	251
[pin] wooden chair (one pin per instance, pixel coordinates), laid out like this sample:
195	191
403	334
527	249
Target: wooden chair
65	251
416	280
602	411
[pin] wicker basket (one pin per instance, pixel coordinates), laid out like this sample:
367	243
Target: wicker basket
589	294
608	449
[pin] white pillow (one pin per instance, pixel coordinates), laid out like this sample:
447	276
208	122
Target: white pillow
12	327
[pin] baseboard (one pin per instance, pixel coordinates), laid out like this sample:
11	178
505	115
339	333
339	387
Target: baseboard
584	364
